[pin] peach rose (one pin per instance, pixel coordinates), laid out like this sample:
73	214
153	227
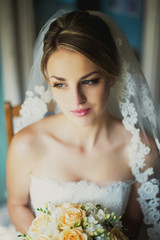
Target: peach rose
73	234
40	222
117	234
42	237
70	205
71	214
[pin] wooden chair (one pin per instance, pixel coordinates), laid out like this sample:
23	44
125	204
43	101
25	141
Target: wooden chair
10	113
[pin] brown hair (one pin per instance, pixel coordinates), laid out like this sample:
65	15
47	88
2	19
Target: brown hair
84	33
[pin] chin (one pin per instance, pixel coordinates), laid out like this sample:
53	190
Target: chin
84	122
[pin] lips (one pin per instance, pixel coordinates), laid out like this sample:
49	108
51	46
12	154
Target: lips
81	112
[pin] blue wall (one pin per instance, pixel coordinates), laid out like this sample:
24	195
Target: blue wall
129	15
44	9
3	144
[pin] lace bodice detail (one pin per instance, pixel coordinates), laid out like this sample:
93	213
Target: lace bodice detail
114	196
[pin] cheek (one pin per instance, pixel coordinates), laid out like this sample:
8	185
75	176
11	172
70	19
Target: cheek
102	94
57	97
60	98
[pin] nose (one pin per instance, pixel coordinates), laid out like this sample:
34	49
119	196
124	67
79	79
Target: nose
78	96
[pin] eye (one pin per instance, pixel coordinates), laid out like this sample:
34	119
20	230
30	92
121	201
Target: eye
59	85
90	82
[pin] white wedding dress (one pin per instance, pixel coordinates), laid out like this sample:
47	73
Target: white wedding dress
131	101
112	195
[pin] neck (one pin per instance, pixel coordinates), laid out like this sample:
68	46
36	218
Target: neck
87	137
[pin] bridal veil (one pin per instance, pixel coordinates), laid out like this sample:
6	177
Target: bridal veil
130	101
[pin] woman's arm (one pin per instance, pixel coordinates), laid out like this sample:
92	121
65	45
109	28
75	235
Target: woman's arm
19	167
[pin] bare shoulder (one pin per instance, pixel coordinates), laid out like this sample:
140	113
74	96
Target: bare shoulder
20	152
23	155
25	139
30	141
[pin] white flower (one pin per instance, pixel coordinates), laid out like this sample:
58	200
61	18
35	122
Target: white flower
101	214
53	229
92	220
90	206
47	223
92	228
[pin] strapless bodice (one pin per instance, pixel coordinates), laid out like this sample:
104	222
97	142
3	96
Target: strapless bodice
113	196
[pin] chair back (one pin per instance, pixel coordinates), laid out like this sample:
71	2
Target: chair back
10	113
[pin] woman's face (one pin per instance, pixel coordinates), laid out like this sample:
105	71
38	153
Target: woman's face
78	86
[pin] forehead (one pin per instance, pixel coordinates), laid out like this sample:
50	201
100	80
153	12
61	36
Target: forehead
64	61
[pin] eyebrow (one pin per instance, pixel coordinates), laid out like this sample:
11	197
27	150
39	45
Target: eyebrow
81	78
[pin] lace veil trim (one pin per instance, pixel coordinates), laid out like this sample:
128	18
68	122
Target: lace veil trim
132	104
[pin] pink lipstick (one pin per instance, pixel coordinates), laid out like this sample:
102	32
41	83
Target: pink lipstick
81	112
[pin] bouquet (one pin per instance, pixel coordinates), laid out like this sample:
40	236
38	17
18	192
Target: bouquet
75	222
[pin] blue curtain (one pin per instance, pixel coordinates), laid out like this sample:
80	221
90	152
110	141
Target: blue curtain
3	143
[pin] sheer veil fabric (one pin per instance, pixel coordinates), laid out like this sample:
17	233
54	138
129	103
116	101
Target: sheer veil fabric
130	101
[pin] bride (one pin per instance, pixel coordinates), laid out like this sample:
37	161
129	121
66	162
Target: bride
101	142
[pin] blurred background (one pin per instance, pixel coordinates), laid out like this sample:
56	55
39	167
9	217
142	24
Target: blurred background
20	22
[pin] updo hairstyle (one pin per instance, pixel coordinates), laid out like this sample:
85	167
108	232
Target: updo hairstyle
84	33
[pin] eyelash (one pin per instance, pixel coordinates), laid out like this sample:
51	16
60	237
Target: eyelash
58	85
85	82
90	82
